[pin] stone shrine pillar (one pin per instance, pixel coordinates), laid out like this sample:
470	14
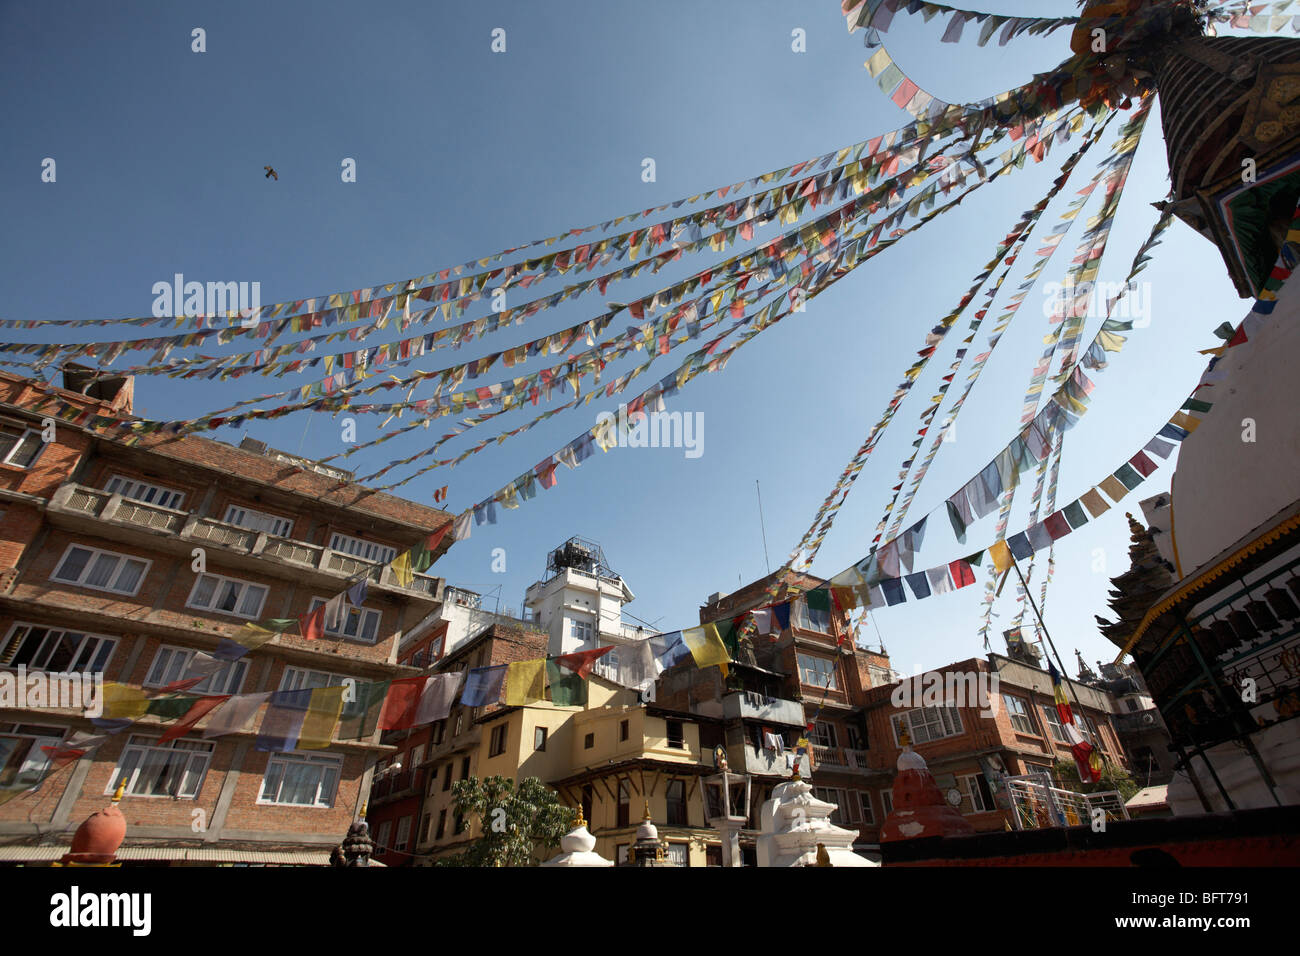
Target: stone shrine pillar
796	831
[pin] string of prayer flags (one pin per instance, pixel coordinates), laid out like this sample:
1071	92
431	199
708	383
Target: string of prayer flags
401	703
324	708
706	647
580	662
567	689
525	682
283	720
437	696
359	718
483	686
235	716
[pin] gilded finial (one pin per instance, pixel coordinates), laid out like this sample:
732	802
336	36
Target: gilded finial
905	740
580	822
647	818
120	791
364	807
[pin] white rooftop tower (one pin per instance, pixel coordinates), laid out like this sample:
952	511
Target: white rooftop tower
579	601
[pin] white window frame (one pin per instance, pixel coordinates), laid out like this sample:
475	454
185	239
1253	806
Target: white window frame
584	631
145	748
947	719
52	638
169	658
222	580
303	678
18	443
887	801
146	492
1020	710
371	551
349	614
824	735
973	795
803	617
866	809
253	520
34	759
1053	719
821	666
403	839
382	833
282	761
95	553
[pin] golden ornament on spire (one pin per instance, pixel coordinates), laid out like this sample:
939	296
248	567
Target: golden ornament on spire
120	791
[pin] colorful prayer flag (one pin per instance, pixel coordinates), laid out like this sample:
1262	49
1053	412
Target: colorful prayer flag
525	682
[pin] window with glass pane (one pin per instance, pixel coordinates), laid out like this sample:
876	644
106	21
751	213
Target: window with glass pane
365	550
171	663
143	491
977	792
928	723
214	592
51	649
173	769
301	781
676	798
258	521
824	735
1019	712
817	672
22	761
1054	721
20	448
300	678
357	623
101	570
812	619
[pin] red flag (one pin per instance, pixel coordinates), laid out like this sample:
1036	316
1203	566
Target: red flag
192	717
962	575
312	626
400	703
580	663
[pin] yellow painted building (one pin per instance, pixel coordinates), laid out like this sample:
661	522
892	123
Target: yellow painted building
612	757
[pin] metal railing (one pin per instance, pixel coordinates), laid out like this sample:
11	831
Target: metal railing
114	507
1036	804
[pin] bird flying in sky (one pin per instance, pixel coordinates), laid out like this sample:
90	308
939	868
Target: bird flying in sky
271	173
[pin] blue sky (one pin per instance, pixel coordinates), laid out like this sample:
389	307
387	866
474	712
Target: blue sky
461	152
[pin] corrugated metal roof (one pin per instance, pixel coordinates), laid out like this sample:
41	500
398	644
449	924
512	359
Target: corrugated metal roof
9	853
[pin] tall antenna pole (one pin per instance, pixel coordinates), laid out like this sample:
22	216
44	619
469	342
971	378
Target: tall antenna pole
766	560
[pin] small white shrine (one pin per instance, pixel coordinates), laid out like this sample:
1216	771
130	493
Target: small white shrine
578	848
794	824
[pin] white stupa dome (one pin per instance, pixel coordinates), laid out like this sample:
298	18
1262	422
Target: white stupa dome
1225	487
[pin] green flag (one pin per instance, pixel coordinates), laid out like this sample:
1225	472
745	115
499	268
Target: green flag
567	688
361	706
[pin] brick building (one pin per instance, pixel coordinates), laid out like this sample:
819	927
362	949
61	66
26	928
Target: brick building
965	745
98	541
810	672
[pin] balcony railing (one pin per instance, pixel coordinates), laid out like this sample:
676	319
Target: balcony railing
93	503
840	758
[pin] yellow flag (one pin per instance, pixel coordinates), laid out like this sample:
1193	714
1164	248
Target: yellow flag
121	701
252	637
525	682
707	647
322	718
1001	555
401	566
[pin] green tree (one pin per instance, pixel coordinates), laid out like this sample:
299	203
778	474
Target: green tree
515	822
1113	777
